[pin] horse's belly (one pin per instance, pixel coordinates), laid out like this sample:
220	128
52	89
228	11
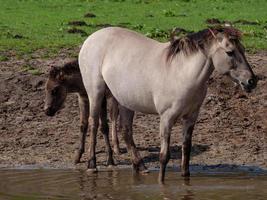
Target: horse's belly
131	94
133	100
136	106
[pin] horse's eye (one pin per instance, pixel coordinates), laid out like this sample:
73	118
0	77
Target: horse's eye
230	53
54	91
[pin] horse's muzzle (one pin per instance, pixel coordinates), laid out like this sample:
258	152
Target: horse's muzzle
49	112
250	84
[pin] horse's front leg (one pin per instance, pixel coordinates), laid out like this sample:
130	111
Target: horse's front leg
166	122
188	127
84	114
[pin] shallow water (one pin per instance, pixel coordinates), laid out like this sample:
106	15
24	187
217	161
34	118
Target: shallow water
30	184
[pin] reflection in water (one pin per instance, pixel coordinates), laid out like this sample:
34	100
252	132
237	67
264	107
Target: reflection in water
122	184
187	194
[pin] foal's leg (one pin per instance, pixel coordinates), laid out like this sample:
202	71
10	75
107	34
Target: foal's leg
84	114
105	130
188	127
114	112
126	120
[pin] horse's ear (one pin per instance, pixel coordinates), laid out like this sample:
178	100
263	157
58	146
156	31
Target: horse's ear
173	36
220	36
56	73
176	34
61	76
53	72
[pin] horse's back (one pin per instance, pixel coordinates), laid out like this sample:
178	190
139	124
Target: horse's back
126	61
111	37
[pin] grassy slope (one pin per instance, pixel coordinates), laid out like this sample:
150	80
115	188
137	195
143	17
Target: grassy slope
44	23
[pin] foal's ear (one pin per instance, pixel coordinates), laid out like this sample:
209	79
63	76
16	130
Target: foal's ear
61	76
56	73
53	72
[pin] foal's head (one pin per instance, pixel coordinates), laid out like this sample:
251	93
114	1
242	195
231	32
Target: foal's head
228	57
56	87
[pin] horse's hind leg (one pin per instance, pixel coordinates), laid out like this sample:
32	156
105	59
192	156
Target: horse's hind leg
105	130
126	120
84	114
114	112
96	95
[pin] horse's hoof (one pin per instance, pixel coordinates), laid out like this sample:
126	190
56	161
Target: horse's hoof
185	174
110	162
142	169
77	161
117	151
91	170
77	158
112	167
145	171
161	180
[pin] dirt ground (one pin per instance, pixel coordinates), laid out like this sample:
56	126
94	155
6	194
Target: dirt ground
231	128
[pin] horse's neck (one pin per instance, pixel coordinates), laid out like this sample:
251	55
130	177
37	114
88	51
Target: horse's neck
197	68
74	84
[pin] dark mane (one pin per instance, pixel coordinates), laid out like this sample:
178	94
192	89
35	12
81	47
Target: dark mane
197	41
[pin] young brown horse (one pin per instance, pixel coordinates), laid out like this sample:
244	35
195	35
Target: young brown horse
67	79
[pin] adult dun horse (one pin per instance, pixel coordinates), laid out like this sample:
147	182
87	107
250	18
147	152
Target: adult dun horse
168	79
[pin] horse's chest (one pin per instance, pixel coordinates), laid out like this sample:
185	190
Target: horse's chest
192	101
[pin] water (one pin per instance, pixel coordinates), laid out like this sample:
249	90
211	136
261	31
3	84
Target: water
123	185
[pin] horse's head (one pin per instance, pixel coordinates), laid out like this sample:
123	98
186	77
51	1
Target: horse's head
55	91
228	57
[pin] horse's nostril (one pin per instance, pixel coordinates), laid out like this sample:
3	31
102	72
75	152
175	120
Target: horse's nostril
251	82
48	112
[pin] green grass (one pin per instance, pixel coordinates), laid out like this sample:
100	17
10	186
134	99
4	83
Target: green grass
28	25
31	70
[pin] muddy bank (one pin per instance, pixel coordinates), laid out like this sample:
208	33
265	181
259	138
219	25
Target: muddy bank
231	128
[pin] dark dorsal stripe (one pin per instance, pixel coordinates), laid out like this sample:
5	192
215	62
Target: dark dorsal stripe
71	67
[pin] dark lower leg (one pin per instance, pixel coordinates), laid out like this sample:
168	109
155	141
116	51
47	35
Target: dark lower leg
138	163
186	150
164	158
105	131
115	140
166	123
92	157
80	151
